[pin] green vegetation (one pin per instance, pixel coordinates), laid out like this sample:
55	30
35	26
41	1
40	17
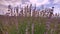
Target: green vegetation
9	25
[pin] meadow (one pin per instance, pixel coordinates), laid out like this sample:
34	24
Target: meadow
29	25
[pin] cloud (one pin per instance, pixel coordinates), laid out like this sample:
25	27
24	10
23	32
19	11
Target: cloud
56	9
4	3
57	1
12	2
39	2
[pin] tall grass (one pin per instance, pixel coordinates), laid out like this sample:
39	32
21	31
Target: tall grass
8	25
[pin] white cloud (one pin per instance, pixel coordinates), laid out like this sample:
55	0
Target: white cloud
57	1
37	2
57	9
12	2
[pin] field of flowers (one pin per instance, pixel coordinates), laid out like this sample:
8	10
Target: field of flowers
29	25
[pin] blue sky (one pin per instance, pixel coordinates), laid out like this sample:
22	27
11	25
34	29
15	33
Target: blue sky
46	3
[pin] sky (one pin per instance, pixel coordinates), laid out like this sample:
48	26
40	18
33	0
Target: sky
46	3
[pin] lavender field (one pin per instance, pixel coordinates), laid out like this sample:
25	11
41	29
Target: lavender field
29	16
29	25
